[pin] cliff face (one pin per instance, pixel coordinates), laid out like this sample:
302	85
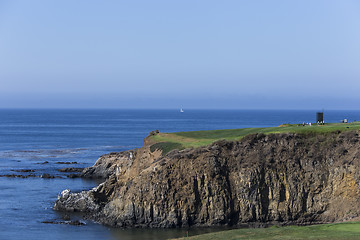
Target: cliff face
282	178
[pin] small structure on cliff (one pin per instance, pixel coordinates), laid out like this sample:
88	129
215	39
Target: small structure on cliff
319	117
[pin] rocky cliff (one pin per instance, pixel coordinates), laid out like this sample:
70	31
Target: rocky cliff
284	178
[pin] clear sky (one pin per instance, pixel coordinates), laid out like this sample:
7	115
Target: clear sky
189	53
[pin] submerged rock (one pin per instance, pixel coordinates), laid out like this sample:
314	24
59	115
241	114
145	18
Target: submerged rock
74	175
18	175
71	169
23	170
66	162
74	222
282	178
46	175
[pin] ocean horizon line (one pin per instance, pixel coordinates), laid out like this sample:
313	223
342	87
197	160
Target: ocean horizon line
178	109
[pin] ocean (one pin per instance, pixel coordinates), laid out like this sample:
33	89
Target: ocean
41	141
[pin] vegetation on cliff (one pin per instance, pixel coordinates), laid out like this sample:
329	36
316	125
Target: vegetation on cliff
181	140
337	231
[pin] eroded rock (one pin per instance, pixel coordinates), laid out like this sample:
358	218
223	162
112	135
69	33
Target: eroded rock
108	164
76	202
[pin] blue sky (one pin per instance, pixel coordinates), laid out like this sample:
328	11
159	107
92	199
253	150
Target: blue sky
167	54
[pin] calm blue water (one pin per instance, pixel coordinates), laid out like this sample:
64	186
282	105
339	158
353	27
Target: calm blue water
31	137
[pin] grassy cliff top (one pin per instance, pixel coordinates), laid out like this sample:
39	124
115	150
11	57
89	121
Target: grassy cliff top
349	230
182	140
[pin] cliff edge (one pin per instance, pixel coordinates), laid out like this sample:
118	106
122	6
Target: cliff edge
281	178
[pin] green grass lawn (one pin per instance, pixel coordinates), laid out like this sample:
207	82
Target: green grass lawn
181	140
350	230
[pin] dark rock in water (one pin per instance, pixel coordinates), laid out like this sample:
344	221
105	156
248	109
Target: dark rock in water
50	222
74	175
66	162
74	222
23	170
66	217
262	179
46	175
44	162
18	175
71	169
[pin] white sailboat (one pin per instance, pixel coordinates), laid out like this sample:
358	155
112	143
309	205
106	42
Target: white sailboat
181	110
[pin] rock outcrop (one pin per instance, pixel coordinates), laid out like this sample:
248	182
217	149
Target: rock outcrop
108	164
276	178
